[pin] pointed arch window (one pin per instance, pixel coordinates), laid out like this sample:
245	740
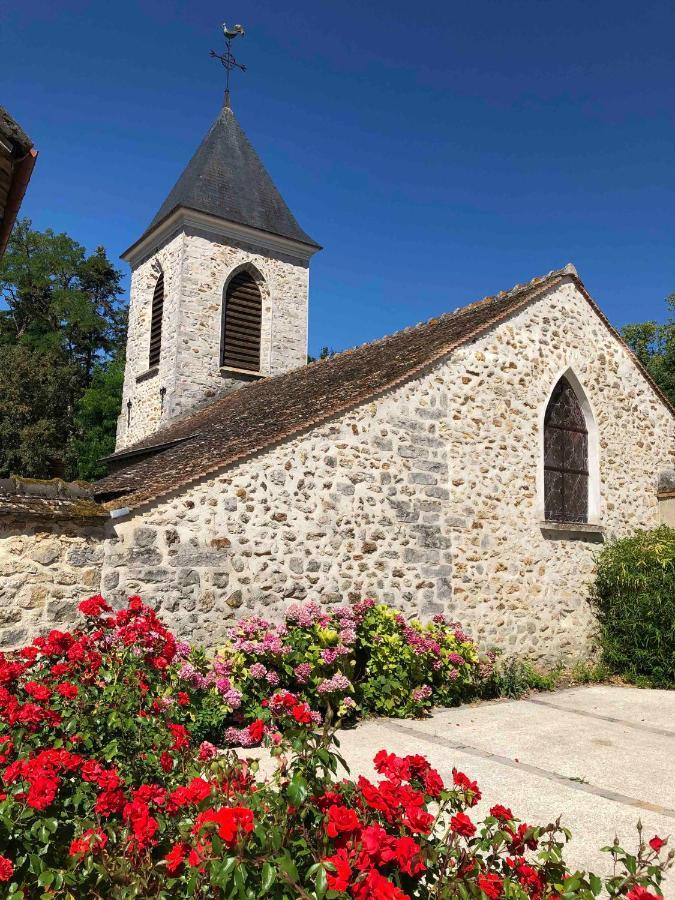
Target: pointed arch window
156	322
242	318
566	476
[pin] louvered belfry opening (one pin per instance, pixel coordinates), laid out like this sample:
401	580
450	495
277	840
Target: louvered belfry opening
156	322
565	457
242	317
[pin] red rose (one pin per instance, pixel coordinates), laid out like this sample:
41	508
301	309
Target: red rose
377	886
257	730
37	691
6	868
341	819
94	606
418	820
501	812
67	690
343	873
640	893
175	857
181	738
109	802
183	698
490	885
656	843
166	761
42	791
433	783
406	852
462	824
302	714
92	840
228	820
469	787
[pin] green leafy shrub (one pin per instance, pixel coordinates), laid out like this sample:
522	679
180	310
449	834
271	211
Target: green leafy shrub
634	599
403	668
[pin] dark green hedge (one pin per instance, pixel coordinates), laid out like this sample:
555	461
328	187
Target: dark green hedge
634	599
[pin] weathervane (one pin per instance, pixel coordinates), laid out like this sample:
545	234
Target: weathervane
227	59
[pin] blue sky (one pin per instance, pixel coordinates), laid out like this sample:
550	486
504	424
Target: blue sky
439	151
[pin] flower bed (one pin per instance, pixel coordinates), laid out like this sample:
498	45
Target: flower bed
364	658
107	791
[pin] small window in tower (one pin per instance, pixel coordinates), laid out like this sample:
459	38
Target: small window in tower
565	457
242	316
156	322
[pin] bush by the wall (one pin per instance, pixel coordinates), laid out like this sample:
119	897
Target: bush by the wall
344	661
634	599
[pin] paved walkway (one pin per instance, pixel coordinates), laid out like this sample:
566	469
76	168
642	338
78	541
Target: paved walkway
602	757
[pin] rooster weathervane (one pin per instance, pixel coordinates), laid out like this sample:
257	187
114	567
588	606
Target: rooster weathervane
227	59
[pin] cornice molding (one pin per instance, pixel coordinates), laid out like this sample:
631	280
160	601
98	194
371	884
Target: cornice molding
182	218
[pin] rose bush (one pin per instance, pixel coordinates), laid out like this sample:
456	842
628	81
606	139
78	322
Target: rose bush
105	792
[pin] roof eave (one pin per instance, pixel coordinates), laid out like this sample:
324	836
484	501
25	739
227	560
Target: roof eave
23	169
186	216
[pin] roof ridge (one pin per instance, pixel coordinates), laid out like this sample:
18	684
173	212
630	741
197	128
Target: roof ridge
568	269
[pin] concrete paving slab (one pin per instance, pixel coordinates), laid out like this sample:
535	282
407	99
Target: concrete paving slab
574	746
524	754
636	706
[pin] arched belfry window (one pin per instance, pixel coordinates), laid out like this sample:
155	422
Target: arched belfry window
565	457
156	322
242	317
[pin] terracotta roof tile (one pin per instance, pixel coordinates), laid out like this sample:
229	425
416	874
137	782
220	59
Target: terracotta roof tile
239	424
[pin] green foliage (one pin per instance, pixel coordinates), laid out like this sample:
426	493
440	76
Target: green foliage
514	677
96	418
324	353
405	667
634	598
36	388
106	794
654	345
590	673
61	322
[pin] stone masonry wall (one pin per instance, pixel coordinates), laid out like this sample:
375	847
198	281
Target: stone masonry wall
512	581
196	266
426	497
46	568
357	507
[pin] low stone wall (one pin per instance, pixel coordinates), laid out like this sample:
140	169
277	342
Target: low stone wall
51	550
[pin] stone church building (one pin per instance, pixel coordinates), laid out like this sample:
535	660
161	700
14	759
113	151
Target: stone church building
471	465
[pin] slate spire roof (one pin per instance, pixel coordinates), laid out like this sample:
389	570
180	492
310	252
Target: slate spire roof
226	178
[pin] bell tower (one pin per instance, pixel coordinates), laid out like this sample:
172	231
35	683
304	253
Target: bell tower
219	286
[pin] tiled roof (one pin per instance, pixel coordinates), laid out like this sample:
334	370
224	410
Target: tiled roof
226	178
259	415
49	499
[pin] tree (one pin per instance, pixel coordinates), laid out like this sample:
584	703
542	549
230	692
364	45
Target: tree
96	418
325	353
654	345
35	387
61	326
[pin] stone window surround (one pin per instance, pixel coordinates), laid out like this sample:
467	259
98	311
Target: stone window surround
594	522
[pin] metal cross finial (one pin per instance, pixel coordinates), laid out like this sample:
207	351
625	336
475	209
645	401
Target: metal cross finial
227	59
